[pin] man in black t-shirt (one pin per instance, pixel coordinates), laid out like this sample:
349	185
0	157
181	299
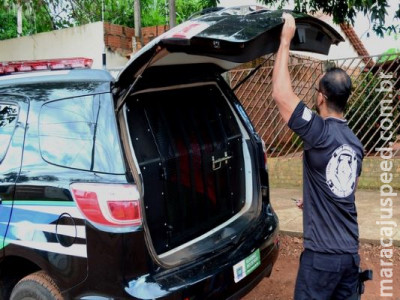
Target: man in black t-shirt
331	166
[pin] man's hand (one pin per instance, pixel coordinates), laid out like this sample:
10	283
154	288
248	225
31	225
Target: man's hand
299	203
289	28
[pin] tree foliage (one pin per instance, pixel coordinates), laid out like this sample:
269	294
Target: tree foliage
88	11
46	15
36	18
346	10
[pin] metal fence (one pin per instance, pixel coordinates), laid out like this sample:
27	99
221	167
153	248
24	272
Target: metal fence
373	110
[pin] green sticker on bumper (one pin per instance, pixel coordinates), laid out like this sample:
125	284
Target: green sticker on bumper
246	266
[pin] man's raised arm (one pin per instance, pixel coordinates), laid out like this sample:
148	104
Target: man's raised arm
282	91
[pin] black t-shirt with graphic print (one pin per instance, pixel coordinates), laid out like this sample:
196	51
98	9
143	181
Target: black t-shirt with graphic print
331	165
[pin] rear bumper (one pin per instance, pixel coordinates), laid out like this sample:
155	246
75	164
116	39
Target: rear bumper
212	277
209	278
218	284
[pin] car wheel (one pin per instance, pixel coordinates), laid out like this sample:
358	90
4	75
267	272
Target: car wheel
36	286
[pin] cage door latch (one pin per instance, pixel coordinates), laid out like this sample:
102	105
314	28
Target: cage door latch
217	163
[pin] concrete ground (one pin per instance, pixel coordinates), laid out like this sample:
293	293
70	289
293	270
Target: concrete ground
368	208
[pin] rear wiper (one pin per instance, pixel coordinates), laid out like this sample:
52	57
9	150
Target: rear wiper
251	74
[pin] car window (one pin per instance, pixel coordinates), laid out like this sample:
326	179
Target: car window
81	133
8	121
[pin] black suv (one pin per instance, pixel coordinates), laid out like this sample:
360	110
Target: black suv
151	186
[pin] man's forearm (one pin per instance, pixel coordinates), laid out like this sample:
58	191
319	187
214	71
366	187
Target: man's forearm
282	91
280	76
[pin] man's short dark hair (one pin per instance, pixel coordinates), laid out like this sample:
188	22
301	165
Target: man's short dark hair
336	86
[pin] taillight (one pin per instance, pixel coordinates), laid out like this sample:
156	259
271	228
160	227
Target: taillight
111	207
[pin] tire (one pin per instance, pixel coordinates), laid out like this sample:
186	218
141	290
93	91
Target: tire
36	286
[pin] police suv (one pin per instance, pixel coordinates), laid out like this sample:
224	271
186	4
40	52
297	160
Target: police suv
150	186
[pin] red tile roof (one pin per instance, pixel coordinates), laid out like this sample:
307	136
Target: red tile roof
356	42
351	35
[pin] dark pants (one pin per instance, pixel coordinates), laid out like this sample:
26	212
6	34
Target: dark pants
326	276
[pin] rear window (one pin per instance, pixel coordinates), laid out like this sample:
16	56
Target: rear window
8	121
81	133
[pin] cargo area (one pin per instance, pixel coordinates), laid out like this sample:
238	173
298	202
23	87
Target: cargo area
189	148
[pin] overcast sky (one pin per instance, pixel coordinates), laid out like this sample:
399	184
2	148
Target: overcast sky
374	44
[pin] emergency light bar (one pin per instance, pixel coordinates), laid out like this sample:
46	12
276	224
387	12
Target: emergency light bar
48	64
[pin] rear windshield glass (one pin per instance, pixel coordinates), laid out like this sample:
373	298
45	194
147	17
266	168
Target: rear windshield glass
81	133
8	120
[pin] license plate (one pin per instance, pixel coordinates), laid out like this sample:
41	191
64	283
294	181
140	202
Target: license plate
246	266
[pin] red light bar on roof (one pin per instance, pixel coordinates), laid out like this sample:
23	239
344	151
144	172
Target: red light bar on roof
48	64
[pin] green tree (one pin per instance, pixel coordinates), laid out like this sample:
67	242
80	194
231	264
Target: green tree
46	15
346	10
36	18
8	25
154	13
184	9
79	12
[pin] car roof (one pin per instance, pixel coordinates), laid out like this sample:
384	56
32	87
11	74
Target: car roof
37	77
46	86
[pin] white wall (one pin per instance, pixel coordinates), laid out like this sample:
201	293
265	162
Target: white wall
115	61
83	41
